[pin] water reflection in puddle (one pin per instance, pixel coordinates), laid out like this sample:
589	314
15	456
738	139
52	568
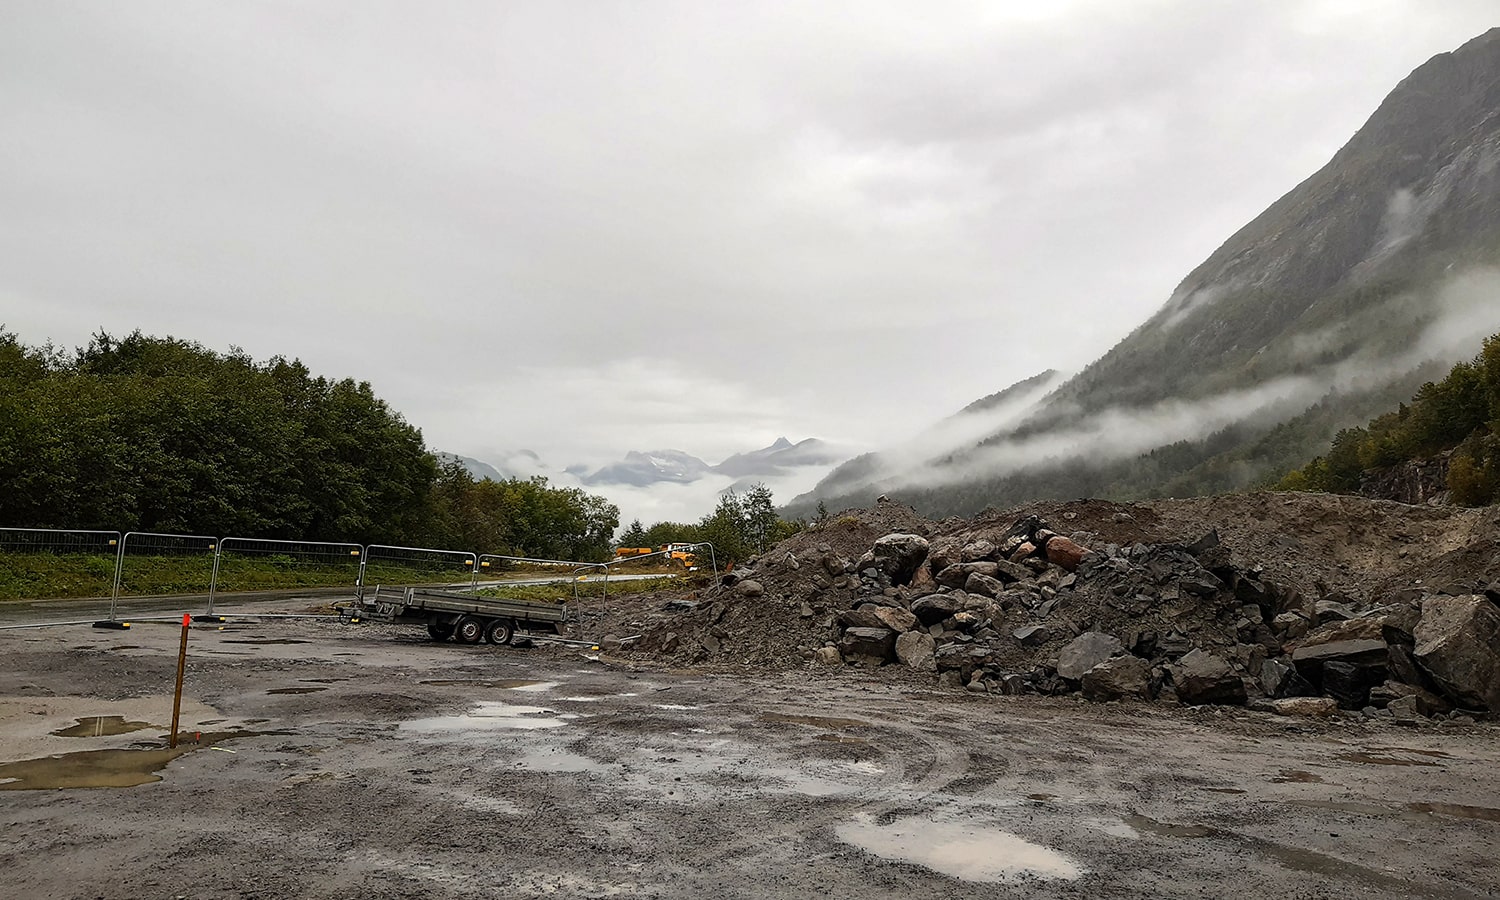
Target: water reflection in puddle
102	768
296	690
966	852
492	717
102	726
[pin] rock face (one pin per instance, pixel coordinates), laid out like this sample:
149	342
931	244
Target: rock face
1201	677
1086	651
1458	644
1118	678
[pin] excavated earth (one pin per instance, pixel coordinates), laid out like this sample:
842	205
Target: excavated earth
331	760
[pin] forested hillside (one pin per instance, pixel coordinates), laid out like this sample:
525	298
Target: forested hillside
1460	413
159	434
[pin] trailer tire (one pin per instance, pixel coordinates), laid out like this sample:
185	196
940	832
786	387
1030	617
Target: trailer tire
468	630
439	631
499	631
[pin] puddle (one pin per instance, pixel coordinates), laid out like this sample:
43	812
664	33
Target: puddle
679	706
581	699
322	680
492	717
815	721
513	684
1296	777
102	726
1457	811
1167	829
296	690
1436	753
1372	759
265	641
832	738
558	761
102	768
1223	790
1041	798
966	852
531	687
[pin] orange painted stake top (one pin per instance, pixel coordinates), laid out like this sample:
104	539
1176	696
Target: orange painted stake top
186	619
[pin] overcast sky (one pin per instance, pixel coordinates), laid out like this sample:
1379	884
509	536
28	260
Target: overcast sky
583	228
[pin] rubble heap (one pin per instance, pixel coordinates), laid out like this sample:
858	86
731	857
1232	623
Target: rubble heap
1031	610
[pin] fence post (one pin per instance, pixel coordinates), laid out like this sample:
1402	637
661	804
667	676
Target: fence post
213	581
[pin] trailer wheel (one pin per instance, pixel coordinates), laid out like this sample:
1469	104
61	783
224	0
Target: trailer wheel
499	631
439	631
468	630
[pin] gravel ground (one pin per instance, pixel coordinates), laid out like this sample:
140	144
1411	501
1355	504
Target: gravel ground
375	763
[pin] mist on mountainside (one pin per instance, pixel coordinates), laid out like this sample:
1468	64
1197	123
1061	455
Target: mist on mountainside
1376	273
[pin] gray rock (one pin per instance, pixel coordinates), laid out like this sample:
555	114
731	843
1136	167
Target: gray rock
1309	660
1458	644
957	574
1316	707
1291	625
895	618
749	589
866	615
1032	635
1280	679
934	608
977	552
899	555
1117	678
917	650
977	583
1086	651
1326	611
1201	677
868	646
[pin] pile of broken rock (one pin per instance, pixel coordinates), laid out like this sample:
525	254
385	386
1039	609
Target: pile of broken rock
1034	611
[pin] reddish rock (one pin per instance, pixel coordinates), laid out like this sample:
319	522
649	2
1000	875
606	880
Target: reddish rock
1063	552
1026	549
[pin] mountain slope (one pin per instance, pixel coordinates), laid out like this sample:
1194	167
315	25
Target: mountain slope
1370	275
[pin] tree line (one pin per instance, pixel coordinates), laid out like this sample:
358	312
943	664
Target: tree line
158	434
739	527
1460	413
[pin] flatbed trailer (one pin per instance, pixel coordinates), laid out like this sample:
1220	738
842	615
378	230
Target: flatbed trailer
469	619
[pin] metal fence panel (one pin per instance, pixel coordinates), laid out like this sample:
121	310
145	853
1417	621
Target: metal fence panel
409	566
251	564
167	564
48	563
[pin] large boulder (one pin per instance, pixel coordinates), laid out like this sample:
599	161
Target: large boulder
899	555
1279	679
1458	644
868	646
1201	677
934	608
1086	651
917	650
1118	677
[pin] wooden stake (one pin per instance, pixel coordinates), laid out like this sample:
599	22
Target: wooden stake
181	665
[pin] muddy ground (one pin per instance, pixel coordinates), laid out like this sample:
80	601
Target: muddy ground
380	764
